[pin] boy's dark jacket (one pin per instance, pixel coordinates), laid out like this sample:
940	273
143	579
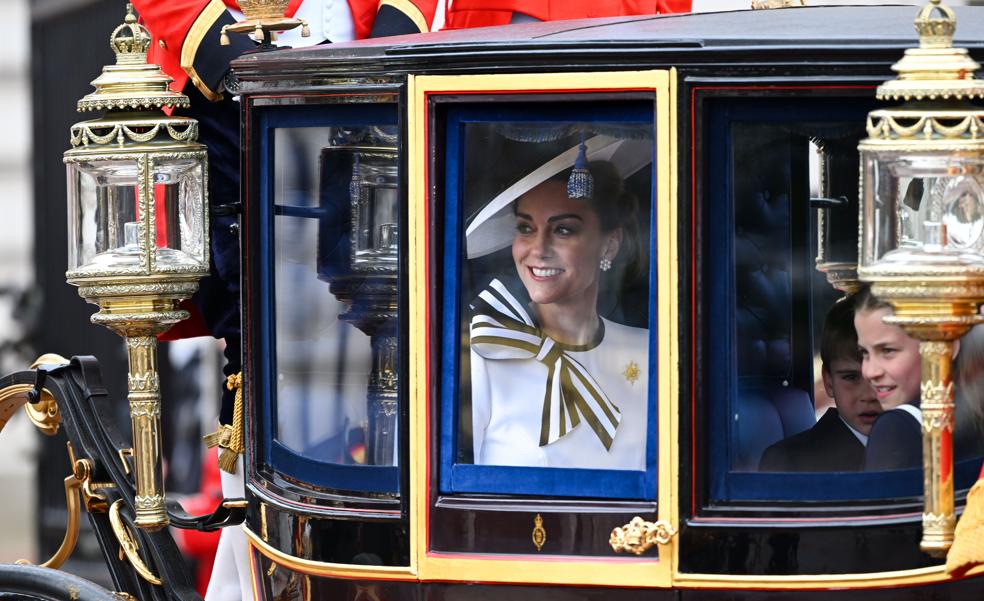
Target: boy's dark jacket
829	446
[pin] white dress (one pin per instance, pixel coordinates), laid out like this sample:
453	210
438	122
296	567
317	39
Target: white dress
507	407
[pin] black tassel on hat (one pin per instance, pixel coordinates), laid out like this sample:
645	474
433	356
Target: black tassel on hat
580	185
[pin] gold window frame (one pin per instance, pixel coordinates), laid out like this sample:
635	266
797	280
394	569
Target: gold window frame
534	569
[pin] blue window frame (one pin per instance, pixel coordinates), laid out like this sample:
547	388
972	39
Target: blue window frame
304	213
745	393
470	130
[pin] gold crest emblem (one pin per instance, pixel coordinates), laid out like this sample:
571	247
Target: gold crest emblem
539	533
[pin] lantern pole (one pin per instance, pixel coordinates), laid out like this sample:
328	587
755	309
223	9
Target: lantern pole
933	279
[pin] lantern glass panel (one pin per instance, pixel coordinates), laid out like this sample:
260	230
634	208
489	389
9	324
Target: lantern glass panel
179	213
376	197
335	242
104	215
905	191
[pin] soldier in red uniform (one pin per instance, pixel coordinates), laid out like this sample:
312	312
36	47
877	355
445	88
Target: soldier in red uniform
187	46
462	14
186	43
186	32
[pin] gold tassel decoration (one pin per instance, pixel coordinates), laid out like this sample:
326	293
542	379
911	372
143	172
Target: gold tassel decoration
230	438
968	540
219	438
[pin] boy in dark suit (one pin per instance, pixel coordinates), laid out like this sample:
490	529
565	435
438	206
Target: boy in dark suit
837	442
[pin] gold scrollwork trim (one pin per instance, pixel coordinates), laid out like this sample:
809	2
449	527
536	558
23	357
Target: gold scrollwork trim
147	381
78	155
87	132
199	270
885	125
934	393
141	342
149	502
76	276
145	408
932	521
937	421
147	102
935	347
639	536
178	289
124	319
129	545
910	92
320	568
146	208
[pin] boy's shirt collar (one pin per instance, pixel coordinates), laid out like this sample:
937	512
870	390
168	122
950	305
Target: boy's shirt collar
861	437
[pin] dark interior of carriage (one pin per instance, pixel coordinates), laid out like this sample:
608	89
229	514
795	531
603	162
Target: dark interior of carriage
759	265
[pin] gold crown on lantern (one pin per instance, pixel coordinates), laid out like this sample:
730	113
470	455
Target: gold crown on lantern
130	40
131	83
936	32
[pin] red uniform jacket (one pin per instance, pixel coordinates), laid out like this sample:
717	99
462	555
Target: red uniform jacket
186	45
484	13
186	33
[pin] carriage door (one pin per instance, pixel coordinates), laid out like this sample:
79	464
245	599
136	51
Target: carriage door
543	296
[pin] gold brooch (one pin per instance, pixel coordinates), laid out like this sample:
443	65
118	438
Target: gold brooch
631	372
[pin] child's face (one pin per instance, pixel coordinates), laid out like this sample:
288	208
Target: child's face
889	359
853	395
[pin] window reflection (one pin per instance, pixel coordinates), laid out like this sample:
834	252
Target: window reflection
336	246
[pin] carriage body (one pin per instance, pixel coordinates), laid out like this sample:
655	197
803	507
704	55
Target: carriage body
728	104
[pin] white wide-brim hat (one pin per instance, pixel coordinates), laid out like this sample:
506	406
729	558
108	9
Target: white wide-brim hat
493	227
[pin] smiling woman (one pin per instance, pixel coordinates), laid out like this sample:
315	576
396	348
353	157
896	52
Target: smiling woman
555	380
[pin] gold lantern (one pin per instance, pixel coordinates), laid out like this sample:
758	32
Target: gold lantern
138	229
922	229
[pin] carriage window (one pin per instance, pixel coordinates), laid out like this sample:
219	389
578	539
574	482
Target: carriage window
790	411
334	225
547	348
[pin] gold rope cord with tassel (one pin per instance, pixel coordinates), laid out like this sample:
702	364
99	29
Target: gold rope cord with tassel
968	540
230	438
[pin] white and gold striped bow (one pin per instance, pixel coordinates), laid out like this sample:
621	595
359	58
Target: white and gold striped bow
502	329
